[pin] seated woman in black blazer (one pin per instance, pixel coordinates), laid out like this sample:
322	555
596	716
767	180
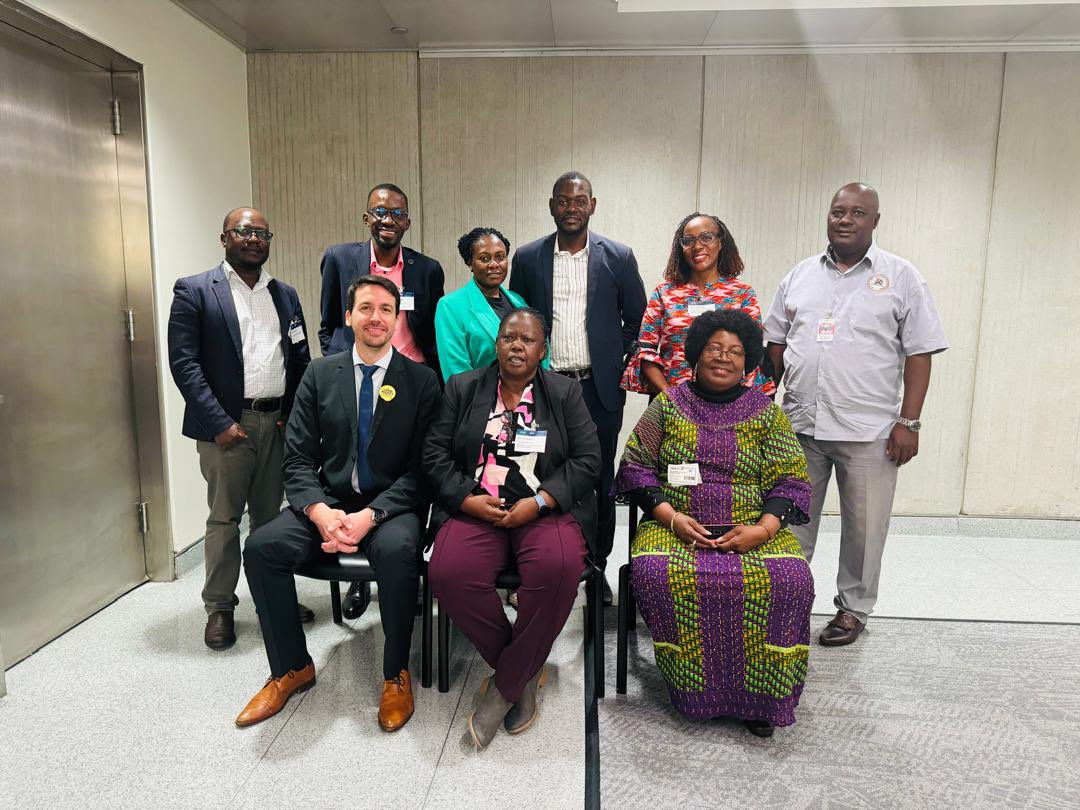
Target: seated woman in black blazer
513	459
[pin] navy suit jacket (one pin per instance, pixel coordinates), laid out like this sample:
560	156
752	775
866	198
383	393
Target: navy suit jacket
343	264
206	354
614	306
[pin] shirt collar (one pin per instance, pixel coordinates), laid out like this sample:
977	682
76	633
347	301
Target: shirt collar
870	258
398	265
584	250
383	362
230	274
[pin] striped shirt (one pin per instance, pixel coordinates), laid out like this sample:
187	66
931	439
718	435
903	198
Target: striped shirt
569	294
260	335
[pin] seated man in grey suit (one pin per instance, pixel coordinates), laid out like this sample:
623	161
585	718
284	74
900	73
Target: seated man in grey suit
353	481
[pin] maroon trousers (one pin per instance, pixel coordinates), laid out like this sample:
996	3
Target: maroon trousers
549	554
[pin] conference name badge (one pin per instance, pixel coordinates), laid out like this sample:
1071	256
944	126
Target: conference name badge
696	308
408	301
530	441
683	475
387	393
296	331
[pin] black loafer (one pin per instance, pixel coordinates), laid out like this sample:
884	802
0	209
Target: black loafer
356	601
306	613
759	728
219	633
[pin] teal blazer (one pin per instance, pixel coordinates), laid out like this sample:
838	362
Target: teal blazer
466	327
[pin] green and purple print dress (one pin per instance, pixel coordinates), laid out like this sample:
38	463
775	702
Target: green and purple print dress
731	631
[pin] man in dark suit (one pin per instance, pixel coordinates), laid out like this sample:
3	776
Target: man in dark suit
353	480
237	349
589	289
418	277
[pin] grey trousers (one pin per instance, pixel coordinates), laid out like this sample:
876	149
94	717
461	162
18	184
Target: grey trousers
248	473
867	482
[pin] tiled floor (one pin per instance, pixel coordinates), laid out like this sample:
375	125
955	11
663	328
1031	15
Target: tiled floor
129	708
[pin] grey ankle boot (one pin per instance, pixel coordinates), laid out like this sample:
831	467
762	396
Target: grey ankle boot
489	714
524	713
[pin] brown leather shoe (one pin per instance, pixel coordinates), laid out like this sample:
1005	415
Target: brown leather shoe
219	633
272	698
843	629
396	706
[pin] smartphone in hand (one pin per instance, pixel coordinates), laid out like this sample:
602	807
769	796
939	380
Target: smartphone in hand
716	531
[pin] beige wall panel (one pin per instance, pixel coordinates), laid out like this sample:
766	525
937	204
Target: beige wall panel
495	134
1024	458
781	133
325	128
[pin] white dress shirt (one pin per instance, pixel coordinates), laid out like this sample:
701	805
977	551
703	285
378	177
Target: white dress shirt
377	378
878	312
260	335
569	299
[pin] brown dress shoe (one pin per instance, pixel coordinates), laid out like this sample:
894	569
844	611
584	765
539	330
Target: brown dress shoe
396	706
843	629
272	698
219	633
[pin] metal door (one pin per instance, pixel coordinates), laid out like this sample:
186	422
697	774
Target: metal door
69	478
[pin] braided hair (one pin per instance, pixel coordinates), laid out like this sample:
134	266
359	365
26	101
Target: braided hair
729	264
465	243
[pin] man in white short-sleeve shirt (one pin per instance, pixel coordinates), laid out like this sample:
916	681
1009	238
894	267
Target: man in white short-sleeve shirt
848	326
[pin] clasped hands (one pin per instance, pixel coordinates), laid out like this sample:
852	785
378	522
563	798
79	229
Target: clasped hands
492	510
738	540
341	531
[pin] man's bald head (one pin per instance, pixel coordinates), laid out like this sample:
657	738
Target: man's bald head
853	215
237	214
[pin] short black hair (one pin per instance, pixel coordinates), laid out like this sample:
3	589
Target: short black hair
737	322
532	313
389	187
567	177
372	280
466	242
729	263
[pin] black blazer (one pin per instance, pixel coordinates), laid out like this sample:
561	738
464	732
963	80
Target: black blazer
320	440
343	264
206	353
613	309
568	468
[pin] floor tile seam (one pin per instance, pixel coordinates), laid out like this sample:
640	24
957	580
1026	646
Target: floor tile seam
450	728
1000	564
288	718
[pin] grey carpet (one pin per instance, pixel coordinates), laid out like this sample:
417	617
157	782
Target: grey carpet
916	714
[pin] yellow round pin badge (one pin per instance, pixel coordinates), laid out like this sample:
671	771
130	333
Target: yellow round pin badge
387	393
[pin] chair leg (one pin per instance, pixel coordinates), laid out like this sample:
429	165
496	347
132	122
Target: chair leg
591	597
620	640
444	650
425	642
335	601
598	634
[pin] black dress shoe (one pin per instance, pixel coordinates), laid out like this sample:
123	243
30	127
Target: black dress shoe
759	728
356	601
609	597
306	613
219	633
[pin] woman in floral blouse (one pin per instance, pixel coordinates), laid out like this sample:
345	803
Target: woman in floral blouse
701	276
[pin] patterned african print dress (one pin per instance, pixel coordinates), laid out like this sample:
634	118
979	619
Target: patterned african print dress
668	315
730	631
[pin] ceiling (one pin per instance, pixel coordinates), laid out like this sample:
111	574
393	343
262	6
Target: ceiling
441	25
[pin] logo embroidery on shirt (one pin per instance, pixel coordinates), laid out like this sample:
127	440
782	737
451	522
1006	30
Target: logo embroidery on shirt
878	282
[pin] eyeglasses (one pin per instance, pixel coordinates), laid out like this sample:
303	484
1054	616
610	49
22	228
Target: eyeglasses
484	260
716	350
381	212
243	233
706	238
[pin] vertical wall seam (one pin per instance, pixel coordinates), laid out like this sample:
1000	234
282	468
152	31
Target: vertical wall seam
420	159
982	297
701	136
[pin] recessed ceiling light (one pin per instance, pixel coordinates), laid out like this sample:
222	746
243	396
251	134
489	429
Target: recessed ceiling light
398	29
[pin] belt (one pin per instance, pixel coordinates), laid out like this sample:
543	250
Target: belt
264	405
576	373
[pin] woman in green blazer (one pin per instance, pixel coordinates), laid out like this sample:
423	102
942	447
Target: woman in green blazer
467	320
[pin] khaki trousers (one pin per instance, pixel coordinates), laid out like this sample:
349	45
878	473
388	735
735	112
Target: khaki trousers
247	474
866	480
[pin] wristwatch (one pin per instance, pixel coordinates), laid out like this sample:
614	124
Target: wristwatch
377	515
914	425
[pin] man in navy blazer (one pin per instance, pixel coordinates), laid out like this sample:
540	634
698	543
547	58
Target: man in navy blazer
589	289
237	349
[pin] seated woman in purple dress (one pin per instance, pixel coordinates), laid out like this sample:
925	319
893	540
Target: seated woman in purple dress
719	578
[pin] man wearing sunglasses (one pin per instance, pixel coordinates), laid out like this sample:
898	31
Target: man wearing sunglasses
237	349
419	279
